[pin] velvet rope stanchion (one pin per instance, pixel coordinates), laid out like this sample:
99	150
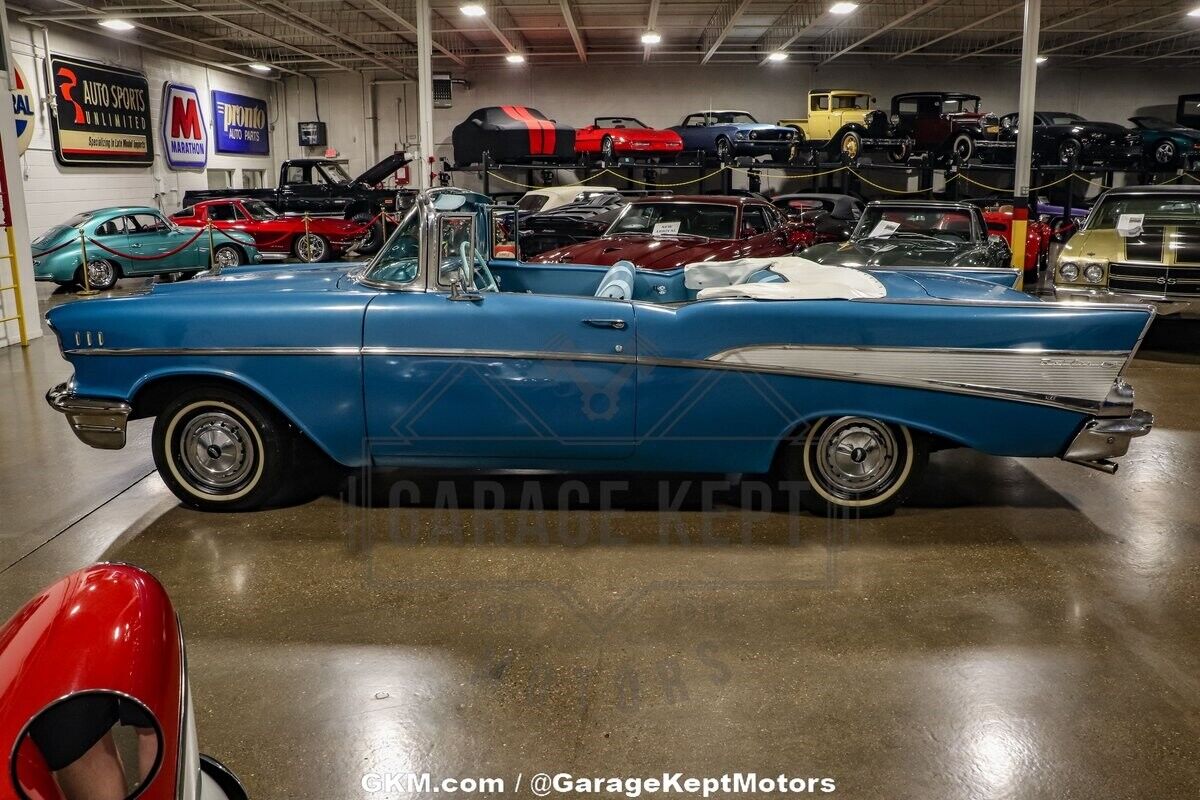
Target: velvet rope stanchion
87	290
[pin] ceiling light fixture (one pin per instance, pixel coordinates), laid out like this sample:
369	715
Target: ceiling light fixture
1042	59
1195	12
116	25
259	67
777	56
472	10
515	58
842	8
650	37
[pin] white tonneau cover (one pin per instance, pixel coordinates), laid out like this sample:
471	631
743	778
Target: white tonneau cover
802	280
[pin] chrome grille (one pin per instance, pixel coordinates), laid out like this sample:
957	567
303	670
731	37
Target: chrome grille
1154	279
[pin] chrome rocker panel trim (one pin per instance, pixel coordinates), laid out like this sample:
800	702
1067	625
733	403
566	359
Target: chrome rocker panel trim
1102	439
96	421
1165	305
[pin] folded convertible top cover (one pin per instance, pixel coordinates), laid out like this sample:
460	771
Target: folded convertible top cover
802	280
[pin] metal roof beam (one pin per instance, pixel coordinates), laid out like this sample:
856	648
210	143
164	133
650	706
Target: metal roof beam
903	18
790	26
444	46
722	22
963	29
569	18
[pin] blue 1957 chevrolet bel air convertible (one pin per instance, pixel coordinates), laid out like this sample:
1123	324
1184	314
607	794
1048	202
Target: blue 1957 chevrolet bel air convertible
445	352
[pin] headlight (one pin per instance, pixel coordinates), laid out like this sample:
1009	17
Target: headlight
740	135
895	119
1094	273
1069	272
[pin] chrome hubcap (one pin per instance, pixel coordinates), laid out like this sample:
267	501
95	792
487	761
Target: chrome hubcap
217	450
850	146
100	273
857	456
310	247
1165	153
228	257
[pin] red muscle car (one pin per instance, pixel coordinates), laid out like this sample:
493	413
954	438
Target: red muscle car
613	137
999	221
325	238
667	233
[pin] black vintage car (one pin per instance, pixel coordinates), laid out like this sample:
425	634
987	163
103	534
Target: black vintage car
1061	137
512	135
832	215
945	126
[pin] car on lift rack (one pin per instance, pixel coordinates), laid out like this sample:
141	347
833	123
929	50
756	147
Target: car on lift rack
843	121
612	138
1062	137
726	135
129	242
662	233
308	239
923	234
1166	145
438	355
945	126
562	226
511	135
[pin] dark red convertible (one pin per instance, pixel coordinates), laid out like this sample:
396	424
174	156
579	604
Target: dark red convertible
320	239
667	233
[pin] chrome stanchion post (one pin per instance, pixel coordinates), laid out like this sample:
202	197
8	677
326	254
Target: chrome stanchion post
87	290
383	221
213	266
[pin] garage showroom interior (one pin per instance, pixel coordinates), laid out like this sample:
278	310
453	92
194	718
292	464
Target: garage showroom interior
600	399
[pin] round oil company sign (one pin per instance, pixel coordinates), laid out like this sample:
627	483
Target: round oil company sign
22	100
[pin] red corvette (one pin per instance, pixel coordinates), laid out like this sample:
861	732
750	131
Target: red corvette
667	233
326	238
1037	236
613	137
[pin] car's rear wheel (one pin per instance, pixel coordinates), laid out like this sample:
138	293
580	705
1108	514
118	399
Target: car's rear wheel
1069	151
311	247
102	274
855	465
228	255
1165	153
218	449
899	155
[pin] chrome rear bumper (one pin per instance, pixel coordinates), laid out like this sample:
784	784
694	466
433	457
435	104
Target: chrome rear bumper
1102	439
96	421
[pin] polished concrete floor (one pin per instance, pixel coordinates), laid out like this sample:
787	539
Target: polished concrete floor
1022	630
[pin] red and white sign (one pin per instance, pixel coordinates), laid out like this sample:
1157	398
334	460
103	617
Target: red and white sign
185	136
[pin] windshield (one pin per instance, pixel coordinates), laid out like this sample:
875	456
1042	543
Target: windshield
731	118
1154	123
532	202
259	210
619	122
677	219
400	259
1063	119
1161	210
956	105
946	224
335	172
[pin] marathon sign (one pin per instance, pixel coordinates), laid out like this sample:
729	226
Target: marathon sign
240	124
185	136
101	115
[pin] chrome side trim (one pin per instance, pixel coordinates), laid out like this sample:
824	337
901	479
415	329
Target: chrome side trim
348	350
97	422
1102	439
514	355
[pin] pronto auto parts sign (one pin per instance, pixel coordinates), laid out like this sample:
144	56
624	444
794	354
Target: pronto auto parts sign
22	100
185	136
102	115
240	124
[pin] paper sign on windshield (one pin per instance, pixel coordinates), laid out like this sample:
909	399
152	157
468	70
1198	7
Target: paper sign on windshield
1130	224
883	230
666	228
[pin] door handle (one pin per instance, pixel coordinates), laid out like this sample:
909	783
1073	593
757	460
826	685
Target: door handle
615	324
135	245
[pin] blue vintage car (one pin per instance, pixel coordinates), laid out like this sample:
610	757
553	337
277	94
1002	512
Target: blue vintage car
128	241
440	354
727	134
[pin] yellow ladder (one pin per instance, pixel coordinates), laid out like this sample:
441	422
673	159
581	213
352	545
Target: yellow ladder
14	287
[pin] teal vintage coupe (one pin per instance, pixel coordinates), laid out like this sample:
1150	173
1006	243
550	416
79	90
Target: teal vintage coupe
129	241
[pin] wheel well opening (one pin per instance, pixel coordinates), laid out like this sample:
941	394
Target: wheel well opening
933	441
154	395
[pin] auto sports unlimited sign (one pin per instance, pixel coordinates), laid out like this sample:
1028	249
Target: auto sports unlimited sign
102	115
240	124
185	136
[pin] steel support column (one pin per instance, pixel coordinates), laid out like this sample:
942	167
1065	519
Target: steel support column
1030	43
424	92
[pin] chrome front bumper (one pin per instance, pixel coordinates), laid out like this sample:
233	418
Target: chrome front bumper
1102	439
1166	306
97	422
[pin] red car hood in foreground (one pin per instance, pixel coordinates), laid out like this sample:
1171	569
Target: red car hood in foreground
645	251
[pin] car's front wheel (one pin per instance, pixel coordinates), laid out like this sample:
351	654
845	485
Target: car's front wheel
724	150
608	150
851	145
374	238
1165	153
218	449
963	148
1069	152
855	465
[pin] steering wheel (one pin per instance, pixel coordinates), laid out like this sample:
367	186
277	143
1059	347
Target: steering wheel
488	284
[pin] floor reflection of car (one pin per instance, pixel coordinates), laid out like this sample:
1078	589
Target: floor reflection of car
923	234
833	216
129	241
658	233
1138	244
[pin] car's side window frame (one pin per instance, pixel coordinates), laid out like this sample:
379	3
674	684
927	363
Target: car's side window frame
435	265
